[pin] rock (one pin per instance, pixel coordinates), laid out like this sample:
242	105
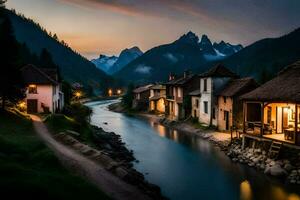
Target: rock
74	133
272	163
262	166
293	181
288	167
121	172
276	170
256	160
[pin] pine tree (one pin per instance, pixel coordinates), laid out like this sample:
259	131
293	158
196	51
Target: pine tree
11	84
46	60
128	97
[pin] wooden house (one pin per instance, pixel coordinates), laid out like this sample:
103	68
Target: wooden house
141	97
157	98
230	107
272	111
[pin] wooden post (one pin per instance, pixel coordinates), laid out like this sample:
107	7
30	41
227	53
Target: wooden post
296	124
244	116
262	119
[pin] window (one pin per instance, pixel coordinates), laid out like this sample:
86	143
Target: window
214	113
32	89
205	85
205	107
54	90
197	103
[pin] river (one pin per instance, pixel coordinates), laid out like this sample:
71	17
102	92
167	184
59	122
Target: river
185	166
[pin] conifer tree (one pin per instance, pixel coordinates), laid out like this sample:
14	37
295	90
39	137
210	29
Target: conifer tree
11	84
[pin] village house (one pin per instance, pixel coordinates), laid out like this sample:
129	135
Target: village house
212	83
157	98
230	107
195	100
272	111
141	97
177	92
43	91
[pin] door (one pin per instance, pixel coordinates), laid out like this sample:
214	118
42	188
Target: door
32	106
285	120
226	116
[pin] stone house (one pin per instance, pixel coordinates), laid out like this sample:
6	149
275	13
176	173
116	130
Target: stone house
141	97
157	98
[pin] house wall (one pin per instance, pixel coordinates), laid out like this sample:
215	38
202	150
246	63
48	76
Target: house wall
228	106
44	96
195	109
214	86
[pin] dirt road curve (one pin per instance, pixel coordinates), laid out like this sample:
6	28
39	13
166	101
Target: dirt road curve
107	182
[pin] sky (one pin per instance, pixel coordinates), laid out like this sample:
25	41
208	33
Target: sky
94	27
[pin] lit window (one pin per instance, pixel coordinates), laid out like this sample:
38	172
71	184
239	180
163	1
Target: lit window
32	89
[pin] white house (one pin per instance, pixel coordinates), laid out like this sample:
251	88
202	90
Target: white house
43	92
211	83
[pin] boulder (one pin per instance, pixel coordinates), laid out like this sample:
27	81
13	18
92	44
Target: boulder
276	170
288	167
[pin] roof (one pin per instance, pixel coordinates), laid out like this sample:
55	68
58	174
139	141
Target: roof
283	88
142	89
236	86
158	87
181	81
156	97
33	75
195	93
218	71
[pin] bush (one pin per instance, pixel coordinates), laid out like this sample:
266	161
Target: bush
79	112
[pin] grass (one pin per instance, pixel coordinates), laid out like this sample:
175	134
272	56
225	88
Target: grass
59	123
28	169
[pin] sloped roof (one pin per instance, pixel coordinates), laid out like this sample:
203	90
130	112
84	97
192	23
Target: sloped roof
283	88
182	80
195	93
158	87
236	86
218	70
142	89
33	75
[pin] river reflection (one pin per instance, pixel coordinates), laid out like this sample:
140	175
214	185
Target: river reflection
185	166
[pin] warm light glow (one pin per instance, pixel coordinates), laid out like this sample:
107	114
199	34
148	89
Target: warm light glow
78	94
32	85
110	92
119	91
246	193
22	104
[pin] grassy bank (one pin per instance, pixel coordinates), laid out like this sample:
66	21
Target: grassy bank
60	123
28	169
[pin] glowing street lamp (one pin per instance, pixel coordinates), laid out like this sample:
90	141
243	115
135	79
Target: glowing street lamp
119	91
78	94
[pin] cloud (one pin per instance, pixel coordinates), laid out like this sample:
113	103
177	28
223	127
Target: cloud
143	69
171	57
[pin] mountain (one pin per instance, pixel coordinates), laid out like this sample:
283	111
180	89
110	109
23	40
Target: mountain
187	52
264	58
104	62
125	57
73	66
113	64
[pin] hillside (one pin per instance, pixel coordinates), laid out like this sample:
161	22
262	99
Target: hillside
188	52
73	67
264	58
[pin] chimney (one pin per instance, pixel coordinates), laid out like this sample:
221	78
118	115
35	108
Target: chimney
171	76
186	73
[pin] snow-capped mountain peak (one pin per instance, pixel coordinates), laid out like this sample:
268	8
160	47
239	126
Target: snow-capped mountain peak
112	64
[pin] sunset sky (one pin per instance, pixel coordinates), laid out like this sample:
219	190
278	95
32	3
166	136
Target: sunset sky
108	26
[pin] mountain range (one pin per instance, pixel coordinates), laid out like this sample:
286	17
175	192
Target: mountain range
73	66
113	64
265	58
188	52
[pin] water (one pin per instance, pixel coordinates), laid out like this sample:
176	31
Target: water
185	166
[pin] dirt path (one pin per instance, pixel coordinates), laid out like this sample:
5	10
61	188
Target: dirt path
107	182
